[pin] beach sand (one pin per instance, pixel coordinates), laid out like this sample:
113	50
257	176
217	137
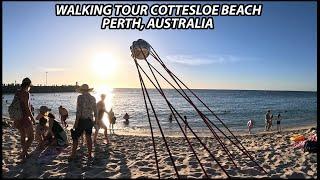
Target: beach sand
129	156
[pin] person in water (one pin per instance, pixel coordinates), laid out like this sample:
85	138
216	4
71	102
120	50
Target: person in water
101	108
250	125
25	124
86	113
170	118
63	112
42	128
57	132
278	123
186	125
126	117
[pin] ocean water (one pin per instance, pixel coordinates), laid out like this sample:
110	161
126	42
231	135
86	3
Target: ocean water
234	107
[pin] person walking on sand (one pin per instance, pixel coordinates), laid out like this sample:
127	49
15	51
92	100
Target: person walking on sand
63	112
267	120
278	123
250	125
25	123
101	108
86	111
126	117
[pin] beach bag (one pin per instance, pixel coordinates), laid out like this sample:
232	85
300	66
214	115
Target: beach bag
15	111
310	146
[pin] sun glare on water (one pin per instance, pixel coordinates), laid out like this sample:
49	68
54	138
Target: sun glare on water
104	89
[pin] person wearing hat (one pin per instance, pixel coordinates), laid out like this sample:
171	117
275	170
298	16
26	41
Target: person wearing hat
25	123
42	128
86	113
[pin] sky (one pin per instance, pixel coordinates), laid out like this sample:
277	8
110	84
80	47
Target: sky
274	51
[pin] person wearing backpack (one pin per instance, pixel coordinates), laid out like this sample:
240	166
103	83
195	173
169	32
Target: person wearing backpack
20	112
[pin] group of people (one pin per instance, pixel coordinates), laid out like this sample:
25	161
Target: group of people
185	119
49	131
268	122
52	134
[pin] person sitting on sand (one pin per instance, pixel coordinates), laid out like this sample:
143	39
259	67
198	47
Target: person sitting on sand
42	128
101	108
63	112
250	125
278	123
58	133
126	117
25	123
86	108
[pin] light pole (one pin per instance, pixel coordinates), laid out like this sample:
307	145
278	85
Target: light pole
46	78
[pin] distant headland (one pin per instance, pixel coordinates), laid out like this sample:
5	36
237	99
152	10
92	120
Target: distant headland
12	88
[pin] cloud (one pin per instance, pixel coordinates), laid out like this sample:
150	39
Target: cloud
193	60
52	69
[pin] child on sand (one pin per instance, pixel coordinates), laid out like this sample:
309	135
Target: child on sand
42	128
250	125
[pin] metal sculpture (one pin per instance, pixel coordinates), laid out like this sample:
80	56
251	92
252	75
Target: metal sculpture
141	50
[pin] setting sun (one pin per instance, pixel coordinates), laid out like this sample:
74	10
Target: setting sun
104	65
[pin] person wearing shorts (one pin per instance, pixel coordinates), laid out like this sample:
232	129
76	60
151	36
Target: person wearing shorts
86	109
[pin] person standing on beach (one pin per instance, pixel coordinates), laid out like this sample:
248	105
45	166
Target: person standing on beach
278	123
112	120
25	124
267	120
270	122
86	110
63	112
101	108
250	125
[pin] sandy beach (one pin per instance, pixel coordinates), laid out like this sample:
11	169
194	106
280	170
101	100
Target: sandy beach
129	156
